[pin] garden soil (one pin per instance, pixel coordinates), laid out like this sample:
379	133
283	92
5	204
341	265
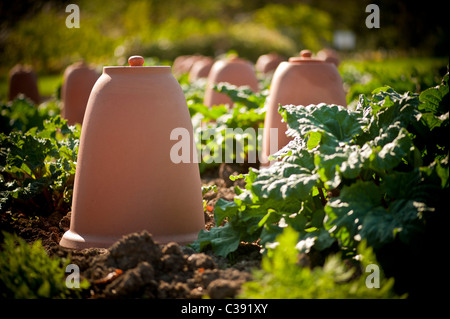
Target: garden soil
138	267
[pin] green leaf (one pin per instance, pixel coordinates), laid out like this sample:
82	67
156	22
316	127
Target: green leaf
432	98
435	106
223	240
346	213
314	139
336	124
242	95
346	162
224	209
389	107
379	213
292	179
389	148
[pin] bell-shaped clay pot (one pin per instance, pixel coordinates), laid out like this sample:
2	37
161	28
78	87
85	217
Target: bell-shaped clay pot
184	63
233	70
78	81
329	55
268	63
300	81
126	180
200	69
23	80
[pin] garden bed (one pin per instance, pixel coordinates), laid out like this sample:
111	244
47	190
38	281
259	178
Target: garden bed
138	267
331	200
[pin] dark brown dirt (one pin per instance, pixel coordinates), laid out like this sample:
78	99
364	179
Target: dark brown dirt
138	267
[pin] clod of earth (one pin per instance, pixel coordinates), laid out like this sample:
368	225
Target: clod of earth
138	267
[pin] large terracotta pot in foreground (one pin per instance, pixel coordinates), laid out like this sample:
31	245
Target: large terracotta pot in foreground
233	70
23	80
78	81
300	81
125	180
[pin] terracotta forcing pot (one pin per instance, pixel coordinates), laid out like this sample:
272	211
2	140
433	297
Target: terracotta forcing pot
184	63
78	81
125	179
233	70
329	55
23	80
267	63
200	69
300	81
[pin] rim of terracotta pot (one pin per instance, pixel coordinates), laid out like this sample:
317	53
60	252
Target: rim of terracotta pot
137	70
136	65
74	240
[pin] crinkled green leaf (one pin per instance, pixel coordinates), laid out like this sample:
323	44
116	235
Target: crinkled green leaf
432	98
289	180
413	186
435	105
346	162
345	214
389	148
336	124
389	107
362	211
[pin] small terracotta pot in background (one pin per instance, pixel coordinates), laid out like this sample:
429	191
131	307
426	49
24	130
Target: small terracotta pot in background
184	63
233	70
300	81
126	180
78	81
200	69
329	55
23	80
267	63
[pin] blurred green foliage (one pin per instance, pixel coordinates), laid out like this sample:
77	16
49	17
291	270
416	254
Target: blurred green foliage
28	273
405	74
282	276
34	32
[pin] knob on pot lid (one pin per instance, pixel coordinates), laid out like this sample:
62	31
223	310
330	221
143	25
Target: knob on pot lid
136	60
305	56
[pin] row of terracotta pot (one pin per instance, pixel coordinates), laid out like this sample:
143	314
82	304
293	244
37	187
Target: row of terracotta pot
78	80
198	66
234	70
125	179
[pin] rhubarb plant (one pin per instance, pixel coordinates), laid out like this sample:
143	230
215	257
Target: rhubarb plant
37	168
374	173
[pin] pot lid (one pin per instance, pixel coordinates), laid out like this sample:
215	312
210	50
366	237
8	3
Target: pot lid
305	56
